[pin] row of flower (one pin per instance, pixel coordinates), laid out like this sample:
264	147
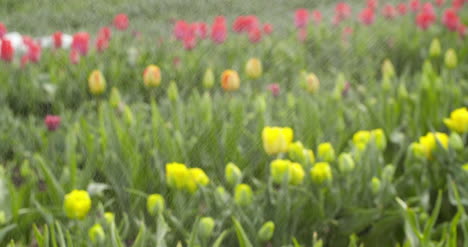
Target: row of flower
425	15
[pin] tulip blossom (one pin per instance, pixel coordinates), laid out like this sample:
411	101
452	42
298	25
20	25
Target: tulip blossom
255	35
450	19
389	12
6	51
121	22
367	16
317	16
81	43
57	37
267	28
52	122
3	30
218	30
402	8
301	17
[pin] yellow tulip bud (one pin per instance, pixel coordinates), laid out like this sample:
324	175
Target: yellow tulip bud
296	175
276	140
155	204
173	91
230	80
451	60
435	49
387	173
326	152
243	195
375	185
253	68
345	162
455	141
388	71
465	167
297	152
176	175
206	227
431	141
96	82
321	172
109	217
232	174
417	150
77	204
199	176
279	170
96	234
266	232
361	137
312	83
208	79
379	138
152	76
458	120
114	98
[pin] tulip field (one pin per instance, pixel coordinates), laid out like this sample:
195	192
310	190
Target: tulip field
224	123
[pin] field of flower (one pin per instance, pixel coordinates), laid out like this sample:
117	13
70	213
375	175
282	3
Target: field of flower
307	124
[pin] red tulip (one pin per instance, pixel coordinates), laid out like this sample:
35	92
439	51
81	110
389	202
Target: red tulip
201	30
389	12
402	8
342	10
218	30
105	33
190	42
121	22
102	44
301	17
428	8
458	4
367	16
414	5
7	51
372	4
74	56
57	37
274	88
255	35
439	2
180	29
424	20
3	30
34	51
80	43
317	16
450	19
52	122
267	28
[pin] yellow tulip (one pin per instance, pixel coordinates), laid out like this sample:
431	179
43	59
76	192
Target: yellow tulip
96	234
152	76
296	174
243	195
279	170
155	204
230	80
312	83
253	68
429	143
326	152
77	204
177	175
96	82
276	140
321	172
199	176
458	120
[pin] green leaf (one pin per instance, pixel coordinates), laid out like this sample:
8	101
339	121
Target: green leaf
219	240
162	229
241	235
